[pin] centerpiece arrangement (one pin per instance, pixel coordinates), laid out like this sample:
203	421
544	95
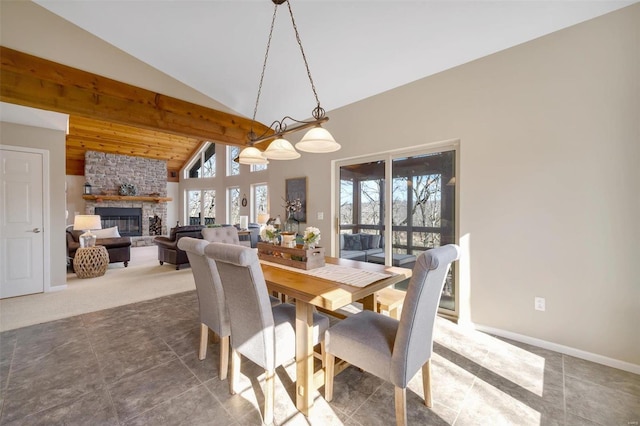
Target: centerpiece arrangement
303	257
311	237
292	207
269	234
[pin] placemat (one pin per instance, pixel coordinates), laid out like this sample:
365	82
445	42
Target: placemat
342	274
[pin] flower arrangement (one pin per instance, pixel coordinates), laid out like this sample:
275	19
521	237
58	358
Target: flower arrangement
269	233
311	236
292	206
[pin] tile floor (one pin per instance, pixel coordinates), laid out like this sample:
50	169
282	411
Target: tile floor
137	365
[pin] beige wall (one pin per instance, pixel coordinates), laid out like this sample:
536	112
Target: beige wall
548	181
549	178
54	142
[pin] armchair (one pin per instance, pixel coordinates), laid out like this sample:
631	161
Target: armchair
119	248
168	250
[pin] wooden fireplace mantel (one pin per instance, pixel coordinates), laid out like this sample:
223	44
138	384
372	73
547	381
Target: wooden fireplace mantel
101	198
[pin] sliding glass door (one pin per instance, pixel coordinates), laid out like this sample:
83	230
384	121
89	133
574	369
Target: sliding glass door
393	225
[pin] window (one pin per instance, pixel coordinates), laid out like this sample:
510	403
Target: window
233	168
234	205
205	164
201	207
421	203
260	203
258	167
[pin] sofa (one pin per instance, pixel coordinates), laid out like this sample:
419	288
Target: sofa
168	250
119	248
360	246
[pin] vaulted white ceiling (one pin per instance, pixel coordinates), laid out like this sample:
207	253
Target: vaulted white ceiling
356	49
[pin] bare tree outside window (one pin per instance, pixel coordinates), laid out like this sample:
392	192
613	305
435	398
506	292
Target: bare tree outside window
260	200
194	207
234	205
233	168
209	207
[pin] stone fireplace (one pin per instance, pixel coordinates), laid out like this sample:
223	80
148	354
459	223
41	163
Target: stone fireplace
106	173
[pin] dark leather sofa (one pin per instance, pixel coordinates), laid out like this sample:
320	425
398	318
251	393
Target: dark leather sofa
168	250
119	248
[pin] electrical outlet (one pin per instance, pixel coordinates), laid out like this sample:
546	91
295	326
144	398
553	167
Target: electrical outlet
539	303
320	215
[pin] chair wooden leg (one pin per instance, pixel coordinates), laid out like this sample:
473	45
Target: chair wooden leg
204	341
330	362
323	354
234	374
269	395
426	383
224	357
401	406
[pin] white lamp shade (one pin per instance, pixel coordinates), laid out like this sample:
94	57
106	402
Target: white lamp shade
263	218
244	222
318	140
252	155
281	149
85	222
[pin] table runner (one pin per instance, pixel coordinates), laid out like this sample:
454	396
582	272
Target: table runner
342	274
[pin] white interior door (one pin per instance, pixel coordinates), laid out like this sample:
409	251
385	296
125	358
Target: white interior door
21	227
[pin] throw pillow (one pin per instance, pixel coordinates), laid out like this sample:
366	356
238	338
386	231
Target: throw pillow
375	241
365	240
107	232
352	242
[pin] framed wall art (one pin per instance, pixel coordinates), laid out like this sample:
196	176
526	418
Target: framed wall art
296	188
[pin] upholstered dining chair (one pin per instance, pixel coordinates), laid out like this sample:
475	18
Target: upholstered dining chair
211	302
390	349
262	333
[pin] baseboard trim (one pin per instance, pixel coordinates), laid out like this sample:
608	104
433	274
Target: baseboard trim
56	288
578	353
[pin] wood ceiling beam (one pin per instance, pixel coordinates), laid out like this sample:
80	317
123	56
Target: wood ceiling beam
35	82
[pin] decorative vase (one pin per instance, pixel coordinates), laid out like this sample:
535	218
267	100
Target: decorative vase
291	225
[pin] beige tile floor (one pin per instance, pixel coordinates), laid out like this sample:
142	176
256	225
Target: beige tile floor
137	365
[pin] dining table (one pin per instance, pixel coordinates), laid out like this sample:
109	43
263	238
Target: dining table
313	289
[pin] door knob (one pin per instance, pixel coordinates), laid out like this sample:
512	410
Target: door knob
36	230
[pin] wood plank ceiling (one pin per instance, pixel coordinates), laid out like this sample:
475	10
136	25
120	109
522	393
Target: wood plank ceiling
88	134
114	117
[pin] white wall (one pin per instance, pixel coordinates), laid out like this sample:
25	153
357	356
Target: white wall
549	178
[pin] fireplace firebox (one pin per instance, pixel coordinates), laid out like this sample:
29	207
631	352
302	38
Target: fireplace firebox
127	219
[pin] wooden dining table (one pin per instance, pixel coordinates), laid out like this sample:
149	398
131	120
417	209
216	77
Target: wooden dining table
309	292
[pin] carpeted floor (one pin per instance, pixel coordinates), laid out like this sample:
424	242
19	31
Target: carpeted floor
143	279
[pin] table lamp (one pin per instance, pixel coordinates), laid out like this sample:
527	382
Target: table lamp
87	222
262	218
244	223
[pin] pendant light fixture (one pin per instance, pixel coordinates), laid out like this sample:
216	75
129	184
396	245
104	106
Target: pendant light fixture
316	140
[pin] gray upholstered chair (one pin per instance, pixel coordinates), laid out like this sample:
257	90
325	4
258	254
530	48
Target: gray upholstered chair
390	349
212	306
262	333
229	235
221	234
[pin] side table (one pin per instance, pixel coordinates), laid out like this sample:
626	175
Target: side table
91	262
